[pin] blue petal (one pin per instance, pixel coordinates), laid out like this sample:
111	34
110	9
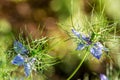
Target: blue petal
103	77
82	37
27	69
99	45
18	60
19	48
76	33
96	52
29	66
85	38
80	47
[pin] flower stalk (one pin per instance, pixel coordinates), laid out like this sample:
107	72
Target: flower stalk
80	64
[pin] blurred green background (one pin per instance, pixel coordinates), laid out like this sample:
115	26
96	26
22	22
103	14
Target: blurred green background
27	16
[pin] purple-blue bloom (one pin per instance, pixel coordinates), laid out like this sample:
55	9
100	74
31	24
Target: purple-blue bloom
19	48
96	49
103	77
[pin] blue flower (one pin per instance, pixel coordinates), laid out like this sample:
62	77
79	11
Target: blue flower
19	48
96	49
103	77
20	61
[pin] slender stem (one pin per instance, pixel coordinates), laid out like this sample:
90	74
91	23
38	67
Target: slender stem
75	71
71	16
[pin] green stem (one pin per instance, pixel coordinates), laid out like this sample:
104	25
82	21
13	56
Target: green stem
75	71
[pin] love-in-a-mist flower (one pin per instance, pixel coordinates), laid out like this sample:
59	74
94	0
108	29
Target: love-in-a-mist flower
22	59
103	77
85	41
